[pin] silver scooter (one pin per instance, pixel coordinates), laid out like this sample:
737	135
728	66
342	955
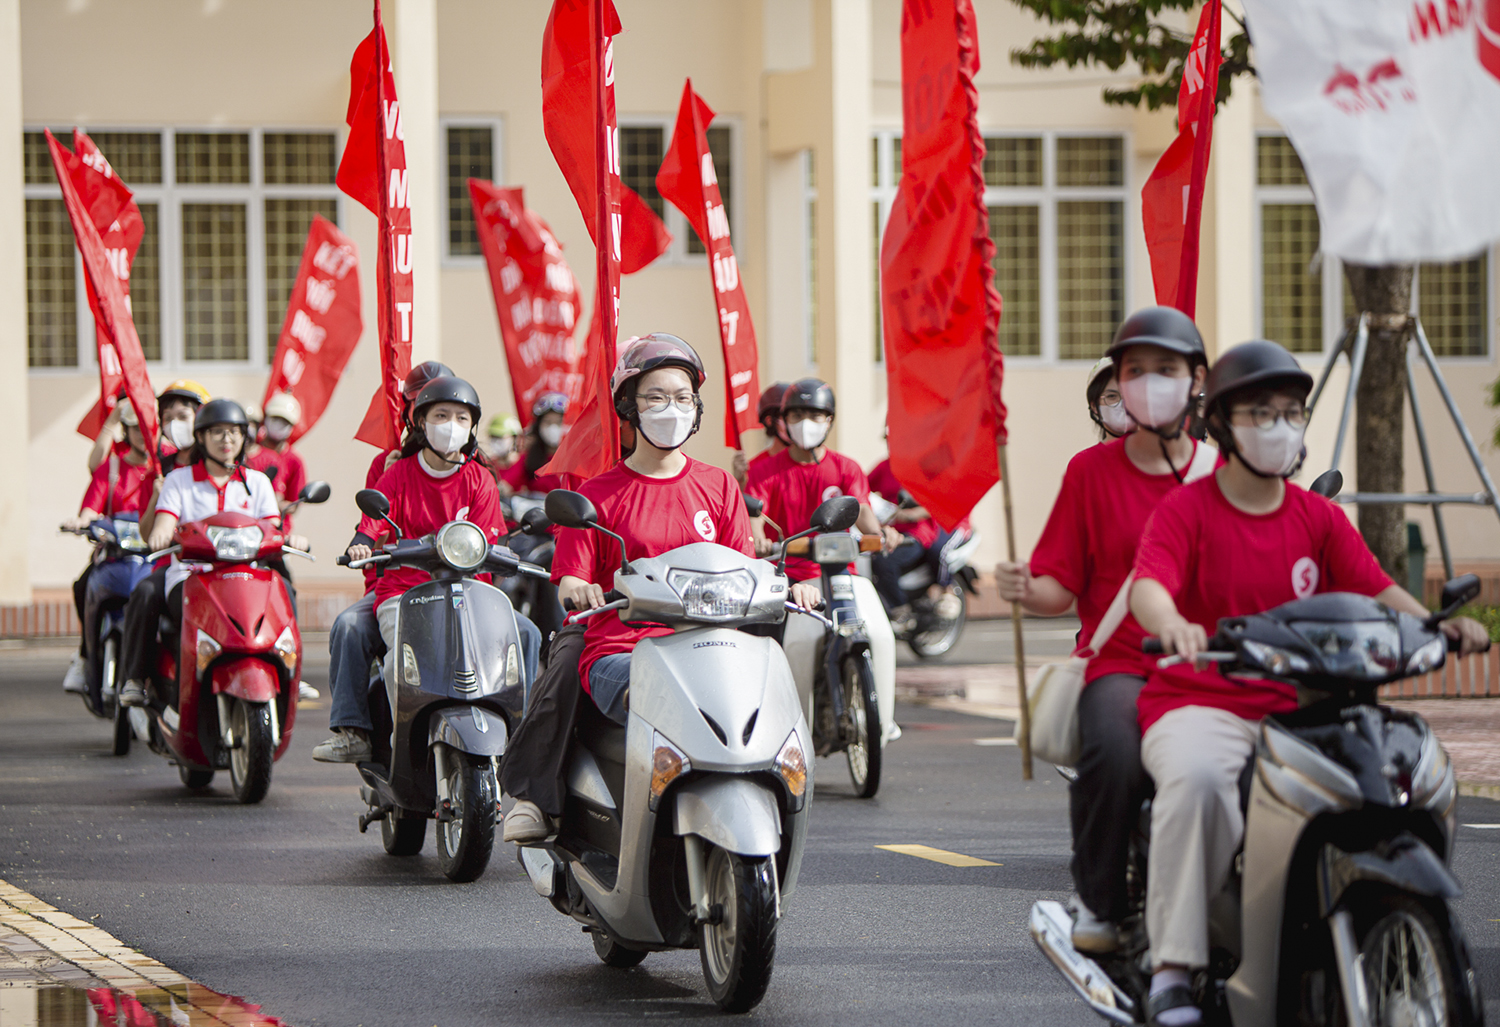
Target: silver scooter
685	828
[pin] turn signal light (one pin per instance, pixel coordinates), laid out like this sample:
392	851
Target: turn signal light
207	650
792	766
286	648
668	763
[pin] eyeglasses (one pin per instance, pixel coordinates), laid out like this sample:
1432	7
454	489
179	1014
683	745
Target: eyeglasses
223	432
1265	417
1110	398
656	402
815	416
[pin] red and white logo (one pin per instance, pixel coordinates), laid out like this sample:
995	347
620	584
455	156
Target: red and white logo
705	525
832	492
1305	577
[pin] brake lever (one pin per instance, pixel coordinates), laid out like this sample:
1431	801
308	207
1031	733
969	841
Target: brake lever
811	613
1203	657
582	615
169	551
298	552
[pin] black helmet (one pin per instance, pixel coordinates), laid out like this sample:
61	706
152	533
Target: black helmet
770	403
446	389
1166	327
418	377
808	394
220	411
1258	362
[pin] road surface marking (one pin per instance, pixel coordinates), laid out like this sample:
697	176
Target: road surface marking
1484	827
952	859
994	741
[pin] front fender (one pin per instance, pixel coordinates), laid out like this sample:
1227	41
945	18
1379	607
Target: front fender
1405	862
737	814
250	680
470	729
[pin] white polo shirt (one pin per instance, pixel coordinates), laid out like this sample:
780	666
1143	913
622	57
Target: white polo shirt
189	494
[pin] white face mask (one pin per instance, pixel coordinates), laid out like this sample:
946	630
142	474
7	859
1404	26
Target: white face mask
550	434
807	434
669	428
446	436
1155	400
1273	452
179	433
278	430
1115	420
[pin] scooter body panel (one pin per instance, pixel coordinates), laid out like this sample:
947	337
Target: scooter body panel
738	814
471	729
111	581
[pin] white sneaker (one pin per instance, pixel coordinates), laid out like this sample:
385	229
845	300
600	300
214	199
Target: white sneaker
76	679
306	691
133	694
1091	933
526	823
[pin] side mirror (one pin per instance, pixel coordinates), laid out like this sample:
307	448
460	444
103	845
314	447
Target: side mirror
316	492
1328	484
570	509
535	522
1459	592
754	507
372	503
837	514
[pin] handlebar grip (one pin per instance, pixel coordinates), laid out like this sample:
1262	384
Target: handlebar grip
531	570
569	606
343	561
612	596
1151	646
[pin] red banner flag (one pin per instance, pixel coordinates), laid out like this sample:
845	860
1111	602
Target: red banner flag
113	312
112	209
688	180
1172	198
940	308
322	324
373	172
536	296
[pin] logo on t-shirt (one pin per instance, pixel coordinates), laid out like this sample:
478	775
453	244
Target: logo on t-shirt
1305	577
462	515
705	525
832	492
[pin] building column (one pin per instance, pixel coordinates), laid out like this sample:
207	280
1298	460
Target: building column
413	32
1232	182
15	578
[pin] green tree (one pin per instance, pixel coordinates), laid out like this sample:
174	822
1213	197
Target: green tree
1149	36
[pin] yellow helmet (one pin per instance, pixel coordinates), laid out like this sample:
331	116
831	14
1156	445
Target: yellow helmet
184	388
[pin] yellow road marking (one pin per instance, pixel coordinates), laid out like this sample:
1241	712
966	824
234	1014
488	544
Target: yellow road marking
952	859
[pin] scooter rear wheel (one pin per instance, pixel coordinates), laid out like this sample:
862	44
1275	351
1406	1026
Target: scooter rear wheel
739	951
612	953
863	731
466	840
110	665
193	778
402	835
930	644
255	748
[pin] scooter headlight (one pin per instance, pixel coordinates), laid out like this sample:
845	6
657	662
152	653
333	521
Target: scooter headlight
718	596
207	650
791	764
668	763
286	648
235	543
462	546
840	548
1430	657
1276	661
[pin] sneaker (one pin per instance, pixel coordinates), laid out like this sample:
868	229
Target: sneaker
1091	933
348	745
306	691
133	694
903	620
526	823
948	606
76	679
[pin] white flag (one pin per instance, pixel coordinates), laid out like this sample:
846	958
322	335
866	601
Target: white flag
1394	107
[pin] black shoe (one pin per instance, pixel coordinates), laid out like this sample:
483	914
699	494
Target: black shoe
1176	997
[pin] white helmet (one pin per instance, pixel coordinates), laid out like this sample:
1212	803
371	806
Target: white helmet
285	406
127	414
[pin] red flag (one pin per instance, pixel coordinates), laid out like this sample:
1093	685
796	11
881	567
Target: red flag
1172	198
373	172
113	313
536	296
578	114
688	180
940	308
322	324
113	211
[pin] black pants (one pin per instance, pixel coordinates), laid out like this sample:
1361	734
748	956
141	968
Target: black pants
887	568
1105	801
536	759
80	599
143	612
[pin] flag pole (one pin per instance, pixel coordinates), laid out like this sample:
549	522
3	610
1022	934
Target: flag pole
1023	724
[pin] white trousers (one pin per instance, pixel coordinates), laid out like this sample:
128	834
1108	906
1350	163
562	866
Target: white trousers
386	615
1195	754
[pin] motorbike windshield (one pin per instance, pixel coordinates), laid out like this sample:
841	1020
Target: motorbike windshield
128	534
1358	650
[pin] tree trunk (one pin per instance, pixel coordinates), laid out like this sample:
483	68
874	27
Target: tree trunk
1379	421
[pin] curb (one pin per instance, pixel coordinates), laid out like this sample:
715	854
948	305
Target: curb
1479	791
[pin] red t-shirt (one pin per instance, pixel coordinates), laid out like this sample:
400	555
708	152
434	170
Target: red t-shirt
515	475
421	504
372	478
883	481
652	515
132	488
1218	561
1090	540
792	491
291	472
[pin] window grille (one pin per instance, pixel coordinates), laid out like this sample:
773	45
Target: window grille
1014	161
471	154
51	292
1016	232
641	150
287	224
1091	276
1291	281
298	158
1090	161
215	274
212	158
1452	301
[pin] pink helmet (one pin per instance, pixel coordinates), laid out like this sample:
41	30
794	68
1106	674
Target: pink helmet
645	353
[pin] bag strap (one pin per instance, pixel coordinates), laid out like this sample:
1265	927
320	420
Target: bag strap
114	478
1205	459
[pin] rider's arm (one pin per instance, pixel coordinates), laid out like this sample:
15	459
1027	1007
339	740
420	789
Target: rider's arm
1157	613
159	535
105	440
1042	595
148	512
1472	635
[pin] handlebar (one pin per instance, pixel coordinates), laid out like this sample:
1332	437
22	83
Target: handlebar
298	552
1151	646
814	614
612	596
802	546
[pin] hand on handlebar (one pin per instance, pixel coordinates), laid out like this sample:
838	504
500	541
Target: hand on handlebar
299	542
584	595
765	547
807	595
1469	633
1181	637
890	538
354	553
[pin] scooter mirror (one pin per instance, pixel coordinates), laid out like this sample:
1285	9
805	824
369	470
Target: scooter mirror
1460	591
535	522
837	514
570	509
315	492
755	507
372	503
1328	484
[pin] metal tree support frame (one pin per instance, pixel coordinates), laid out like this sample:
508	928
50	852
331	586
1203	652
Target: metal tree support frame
1489	497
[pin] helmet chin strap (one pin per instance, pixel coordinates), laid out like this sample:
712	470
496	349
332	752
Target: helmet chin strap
1163	437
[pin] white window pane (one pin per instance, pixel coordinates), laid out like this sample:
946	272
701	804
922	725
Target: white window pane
215	282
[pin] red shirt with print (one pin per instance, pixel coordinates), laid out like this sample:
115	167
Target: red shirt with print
372	478
792	491
132	491
291	473
1090	541
652	515
421	504
883	481
1218	561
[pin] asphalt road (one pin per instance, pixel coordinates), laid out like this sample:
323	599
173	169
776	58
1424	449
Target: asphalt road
287	905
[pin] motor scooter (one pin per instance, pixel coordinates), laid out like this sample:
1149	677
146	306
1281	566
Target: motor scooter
938	620
119	565
449	694
224	693
685	828
1339	906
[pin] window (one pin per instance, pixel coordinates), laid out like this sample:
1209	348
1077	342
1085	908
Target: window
225	217
718	145
1451	300
472	149
643	146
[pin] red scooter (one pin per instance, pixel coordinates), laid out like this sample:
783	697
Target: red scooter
226	697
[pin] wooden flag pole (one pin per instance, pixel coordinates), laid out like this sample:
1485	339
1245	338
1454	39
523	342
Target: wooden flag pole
1023	725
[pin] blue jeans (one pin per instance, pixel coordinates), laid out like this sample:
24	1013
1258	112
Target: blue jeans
353	642
609	681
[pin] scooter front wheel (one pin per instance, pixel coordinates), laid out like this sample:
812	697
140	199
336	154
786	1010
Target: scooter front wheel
110	664
466	828
252	752
863	728
942	633
1411	974
739	950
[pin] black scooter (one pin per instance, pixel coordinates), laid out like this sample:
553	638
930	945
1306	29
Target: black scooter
450	692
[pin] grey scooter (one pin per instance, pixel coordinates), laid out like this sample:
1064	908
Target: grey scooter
685	828
454	680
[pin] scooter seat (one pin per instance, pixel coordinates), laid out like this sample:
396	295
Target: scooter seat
600	735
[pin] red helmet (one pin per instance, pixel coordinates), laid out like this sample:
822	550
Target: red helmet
770	403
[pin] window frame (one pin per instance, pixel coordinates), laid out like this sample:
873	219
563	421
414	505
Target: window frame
496	124
677	254
169	196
